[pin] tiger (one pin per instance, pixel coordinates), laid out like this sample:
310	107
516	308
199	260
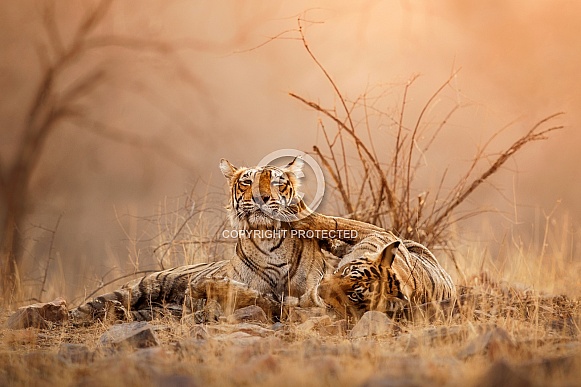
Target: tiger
270	266
384	273
285	266
172	293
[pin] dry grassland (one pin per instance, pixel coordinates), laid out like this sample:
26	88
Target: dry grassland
499	335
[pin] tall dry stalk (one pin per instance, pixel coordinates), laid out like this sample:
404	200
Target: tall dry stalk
190	231
184	231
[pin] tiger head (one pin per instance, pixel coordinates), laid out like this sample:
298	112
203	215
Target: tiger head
263	197
364	284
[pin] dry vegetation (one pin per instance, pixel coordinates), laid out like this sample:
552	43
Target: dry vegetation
499	334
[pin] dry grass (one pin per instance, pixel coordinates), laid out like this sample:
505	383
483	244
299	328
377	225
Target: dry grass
500	333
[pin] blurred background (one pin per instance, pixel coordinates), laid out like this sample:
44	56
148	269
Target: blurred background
160	92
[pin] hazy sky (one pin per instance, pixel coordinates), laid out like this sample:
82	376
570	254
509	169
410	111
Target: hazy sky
223	92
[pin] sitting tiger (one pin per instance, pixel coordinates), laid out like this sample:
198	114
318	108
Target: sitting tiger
267	267
385	274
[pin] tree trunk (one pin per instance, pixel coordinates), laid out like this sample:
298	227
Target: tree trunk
11	242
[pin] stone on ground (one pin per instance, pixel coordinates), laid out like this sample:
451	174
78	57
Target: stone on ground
135	335
252	313
372	323
39	315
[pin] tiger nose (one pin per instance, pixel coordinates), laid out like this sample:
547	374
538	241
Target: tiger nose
262	199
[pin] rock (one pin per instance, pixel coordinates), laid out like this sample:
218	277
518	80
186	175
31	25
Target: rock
253	329
250	313
323	325
277	326
372	323
501	374
177	381
75	353
39	315
26	318
300	315
136	335
496	343
225	329
307	326
239	339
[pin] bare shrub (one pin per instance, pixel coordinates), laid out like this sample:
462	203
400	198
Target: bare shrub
184	230
380	187
191	232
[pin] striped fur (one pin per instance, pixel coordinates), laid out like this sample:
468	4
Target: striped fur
268	265
385	274
265	199
153	295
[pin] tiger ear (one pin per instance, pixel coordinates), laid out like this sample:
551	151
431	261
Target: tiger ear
227	169
387	255
295	167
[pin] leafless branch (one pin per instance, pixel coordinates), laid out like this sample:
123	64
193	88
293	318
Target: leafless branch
530	136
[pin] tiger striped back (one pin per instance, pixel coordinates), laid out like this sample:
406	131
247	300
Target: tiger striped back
156	294
428	279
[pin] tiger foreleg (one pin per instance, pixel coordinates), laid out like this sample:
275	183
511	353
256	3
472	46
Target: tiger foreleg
337	228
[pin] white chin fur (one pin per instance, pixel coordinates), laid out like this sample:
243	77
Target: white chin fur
255	220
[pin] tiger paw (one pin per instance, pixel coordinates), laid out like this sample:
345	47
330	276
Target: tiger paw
289	301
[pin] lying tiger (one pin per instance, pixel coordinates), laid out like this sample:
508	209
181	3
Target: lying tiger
272	268
385	274
173	292
267	268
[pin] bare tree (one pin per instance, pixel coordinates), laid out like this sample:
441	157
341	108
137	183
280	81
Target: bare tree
59	97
